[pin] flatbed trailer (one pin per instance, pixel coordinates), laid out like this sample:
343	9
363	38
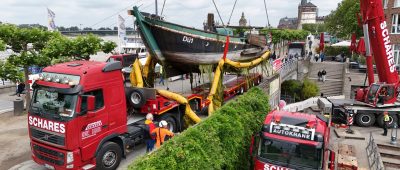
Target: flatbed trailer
363	114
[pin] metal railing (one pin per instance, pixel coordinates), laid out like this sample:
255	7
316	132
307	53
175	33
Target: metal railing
374	157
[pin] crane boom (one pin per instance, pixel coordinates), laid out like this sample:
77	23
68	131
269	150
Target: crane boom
377	39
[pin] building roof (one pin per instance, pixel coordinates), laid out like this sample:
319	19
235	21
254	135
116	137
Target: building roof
288	23
309	4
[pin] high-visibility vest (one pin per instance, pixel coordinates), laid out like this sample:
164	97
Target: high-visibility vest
386	118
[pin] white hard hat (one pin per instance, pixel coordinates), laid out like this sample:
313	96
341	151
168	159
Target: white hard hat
163	123
149	116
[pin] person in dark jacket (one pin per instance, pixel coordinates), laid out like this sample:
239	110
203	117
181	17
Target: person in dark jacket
323	75
20	88
319	75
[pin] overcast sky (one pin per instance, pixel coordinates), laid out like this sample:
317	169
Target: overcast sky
103	13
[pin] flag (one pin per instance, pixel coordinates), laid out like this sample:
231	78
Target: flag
121	32
51	15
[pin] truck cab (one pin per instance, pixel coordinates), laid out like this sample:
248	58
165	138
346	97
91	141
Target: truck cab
70	116
292	141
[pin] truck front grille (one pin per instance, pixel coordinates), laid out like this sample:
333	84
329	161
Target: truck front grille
52	138
48	155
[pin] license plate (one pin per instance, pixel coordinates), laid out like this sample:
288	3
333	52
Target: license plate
49	166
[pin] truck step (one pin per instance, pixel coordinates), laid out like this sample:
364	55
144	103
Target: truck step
389	153
388	147
390	162
88	166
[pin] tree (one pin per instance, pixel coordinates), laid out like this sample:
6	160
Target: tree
80	48
108	46
87	29
342	22
27	43
314	28
2	45
10	72
309	89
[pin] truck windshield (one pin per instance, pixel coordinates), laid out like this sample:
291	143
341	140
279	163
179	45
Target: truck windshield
53	103
291	155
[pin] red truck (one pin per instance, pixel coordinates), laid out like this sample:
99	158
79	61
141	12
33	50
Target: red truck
78	117
292	141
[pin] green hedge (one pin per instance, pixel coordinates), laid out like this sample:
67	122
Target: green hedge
220	142
334	51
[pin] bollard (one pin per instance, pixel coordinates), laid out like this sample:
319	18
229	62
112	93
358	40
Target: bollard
18	107
393	138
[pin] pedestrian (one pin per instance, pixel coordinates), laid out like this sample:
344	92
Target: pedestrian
319	75
322	56
309	44
149	127
316	57
323	75
273	56
343	56
161	133
386	120
161	76
20	89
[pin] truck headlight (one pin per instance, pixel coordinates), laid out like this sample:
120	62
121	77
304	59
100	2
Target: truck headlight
70	157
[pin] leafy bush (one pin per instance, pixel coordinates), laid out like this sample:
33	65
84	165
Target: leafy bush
334	51
220	142
299	90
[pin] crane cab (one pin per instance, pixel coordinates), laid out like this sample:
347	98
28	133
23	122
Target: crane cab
378	94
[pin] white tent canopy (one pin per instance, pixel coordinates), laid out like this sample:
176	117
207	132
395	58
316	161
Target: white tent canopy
342	44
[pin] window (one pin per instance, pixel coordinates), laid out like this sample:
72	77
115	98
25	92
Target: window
396	3
99	99
395	24
384	3
396	53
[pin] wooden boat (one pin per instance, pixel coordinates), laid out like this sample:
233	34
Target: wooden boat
186	48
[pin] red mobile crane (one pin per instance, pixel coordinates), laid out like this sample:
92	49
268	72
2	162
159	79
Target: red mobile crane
377	39
380	96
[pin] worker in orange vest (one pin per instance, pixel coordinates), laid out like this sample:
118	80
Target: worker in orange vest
161	132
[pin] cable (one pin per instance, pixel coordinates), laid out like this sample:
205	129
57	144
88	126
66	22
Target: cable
162	10
234	5
266	12
113	14
215	5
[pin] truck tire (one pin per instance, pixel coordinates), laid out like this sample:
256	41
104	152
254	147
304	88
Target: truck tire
109	156
136	98
170	119
392	119
365	119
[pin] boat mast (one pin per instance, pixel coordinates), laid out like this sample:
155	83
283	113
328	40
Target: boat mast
156	8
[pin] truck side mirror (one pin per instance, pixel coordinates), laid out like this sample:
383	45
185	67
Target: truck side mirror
90	103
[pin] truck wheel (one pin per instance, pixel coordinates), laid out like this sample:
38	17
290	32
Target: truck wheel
392	119
365	119
171	122
109	156
136	98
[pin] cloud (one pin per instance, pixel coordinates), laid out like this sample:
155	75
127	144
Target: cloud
185	12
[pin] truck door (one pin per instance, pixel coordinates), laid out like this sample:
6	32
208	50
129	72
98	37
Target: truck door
94	124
